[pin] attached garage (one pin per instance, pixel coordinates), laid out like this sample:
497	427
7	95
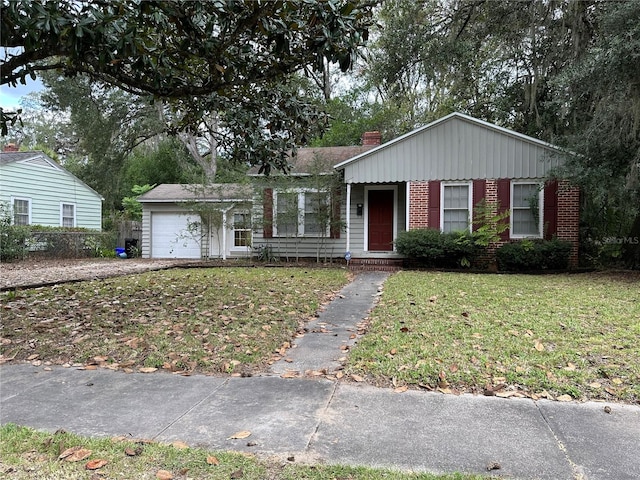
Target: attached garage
171	226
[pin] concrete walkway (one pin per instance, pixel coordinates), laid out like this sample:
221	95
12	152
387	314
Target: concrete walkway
333	422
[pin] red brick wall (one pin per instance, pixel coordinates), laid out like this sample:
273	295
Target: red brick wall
419	205
569	217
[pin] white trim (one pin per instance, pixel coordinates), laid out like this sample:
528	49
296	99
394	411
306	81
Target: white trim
348	214
367	189
233	229
540	208
75	214
407	202
24	199
469	205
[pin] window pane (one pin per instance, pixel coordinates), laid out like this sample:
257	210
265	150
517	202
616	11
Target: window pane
523	194
21	212
68	215
455	220
456	196
315	213
287	214
524	223
242	238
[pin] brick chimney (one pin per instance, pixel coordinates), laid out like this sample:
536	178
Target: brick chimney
371	138
11	147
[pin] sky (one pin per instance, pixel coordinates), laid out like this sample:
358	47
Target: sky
10	96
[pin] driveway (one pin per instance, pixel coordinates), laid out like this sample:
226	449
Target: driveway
34	273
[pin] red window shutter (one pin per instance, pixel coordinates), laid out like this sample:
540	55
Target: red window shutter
267	229
550	213
434	204
504	200
335	214
479	187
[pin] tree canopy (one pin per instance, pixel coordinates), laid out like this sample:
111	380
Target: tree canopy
233	57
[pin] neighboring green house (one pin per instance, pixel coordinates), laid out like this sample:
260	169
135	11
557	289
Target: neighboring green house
38	191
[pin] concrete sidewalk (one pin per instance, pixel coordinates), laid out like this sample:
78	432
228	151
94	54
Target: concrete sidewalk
333	422
323	421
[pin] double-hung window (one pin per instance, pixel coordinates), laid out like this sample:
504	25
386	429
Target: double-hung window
301	213
526	214
455	207
21	211
241	229
67	215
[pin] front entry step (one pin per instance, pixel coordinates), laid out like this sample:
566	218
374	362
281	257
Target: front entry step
376	264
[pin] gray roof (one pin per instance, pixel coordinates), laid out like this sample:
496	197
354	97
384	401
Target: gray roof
455	147
311	160
217	192
10	157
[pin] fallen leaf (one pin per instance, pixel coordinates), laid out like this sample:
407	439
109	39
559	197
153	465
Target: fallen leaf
564	398
241	434
570	367
520	369
164	475
401	389
148	370
75	454
290	374
95	464
616	381
610	391
357	378
393	351
211	460
237	474
607	409
180	445
453	368
130	452
506	394
538	345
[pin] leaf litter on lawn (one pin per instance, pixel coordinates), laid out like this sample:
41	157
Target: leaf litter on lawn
210	320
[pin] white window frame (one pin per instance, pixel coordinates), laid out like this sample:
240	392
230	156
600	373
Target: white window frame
300	192
62	217
443	185
540	188
13	213
235	229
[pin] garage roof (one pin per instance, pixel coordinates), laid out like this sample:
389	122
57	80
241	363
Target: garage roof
216	192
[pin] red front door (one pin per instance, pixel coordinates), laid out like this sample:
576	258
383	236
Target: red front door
380	220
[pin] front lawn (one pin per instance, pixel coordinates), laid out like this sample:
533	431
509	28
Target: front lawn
554	336
216	320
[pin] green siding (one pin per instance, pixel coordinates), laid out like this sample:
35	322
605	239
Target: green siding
48	187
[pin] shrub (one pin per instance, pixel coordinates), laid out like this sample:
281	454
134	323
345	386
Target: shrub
13	238
528	254
432	248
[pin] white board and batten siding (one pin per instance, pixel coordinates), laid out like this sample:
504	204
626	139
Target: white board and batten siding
47	185
456	147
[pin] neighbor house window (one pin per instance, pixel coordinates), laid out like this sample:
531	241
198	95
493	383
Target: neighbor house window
526	218
68	215
21	211
456	207
301	213
241	229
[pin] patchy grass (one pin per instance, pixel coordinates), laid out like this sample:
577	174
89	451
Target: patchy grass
555	336
28	454
218	320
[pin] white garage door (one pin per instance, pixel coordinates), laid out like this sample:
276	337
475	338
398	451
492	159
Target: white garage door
171	238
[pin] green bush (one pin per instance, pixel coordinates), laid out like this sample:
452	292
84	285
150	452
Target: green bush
13	238
432	248
524	255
